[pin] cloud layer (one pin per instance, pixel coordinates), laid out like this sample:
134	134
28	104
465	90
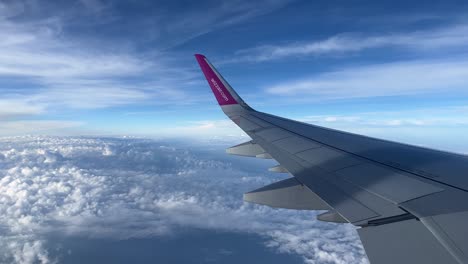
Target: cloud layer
130	188
386	79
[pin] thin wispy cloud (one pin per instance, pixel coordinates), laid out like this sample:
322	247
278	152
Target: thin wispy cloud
195	22
46	127
39	48
205	129
12	108
91	72
455	36
406	118
94	6
388	79
68	73
434	127
65	72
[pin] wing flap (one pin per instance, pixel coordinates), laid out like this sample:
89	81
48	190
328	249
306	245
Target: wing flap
264	156
248	149
278	169
450	232
353	203
289	194
386	182
404	242
296	144
257	121
272	134
328	159
245	124
331	216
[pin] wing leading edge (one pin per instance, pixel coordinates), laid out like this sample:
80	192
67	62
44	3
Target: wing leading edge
408	203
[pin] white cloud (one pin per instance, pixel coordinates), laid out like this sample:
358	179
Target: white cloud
449	116
191	23
329	118
219	130
390	79
94	187
10	108
34	127
434	127
91	96
59	69
29	252
64	69
451	37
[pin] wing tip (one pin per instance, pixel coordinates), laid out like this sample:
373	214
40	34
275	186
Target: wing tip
199	56
224	95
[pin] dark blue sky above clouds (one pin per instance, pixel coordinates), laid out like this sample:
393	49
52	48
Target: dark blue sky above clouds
126	67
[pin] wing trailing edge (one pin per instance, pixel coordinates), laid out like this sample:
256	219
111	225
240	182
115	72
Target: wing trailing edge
331	216
247	149
288	194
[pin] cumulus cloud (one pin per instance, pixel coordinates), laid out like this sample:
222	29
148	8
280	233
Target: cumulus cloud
130	188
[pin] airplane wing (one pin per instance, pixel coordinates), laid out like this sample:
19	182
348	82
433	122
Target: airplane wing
409	204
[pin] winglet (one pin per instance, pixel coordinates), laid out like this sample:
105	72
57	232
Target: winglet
221	89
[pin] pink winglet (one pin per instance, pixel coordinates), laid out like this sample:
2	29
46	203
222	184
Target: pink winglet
221	93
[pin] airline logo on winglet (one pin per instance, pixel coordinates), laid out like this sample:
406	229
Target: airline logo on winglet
219	89
222	94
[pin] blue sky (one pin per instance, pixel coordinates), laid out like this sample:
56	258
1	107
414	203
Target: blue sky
392	69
